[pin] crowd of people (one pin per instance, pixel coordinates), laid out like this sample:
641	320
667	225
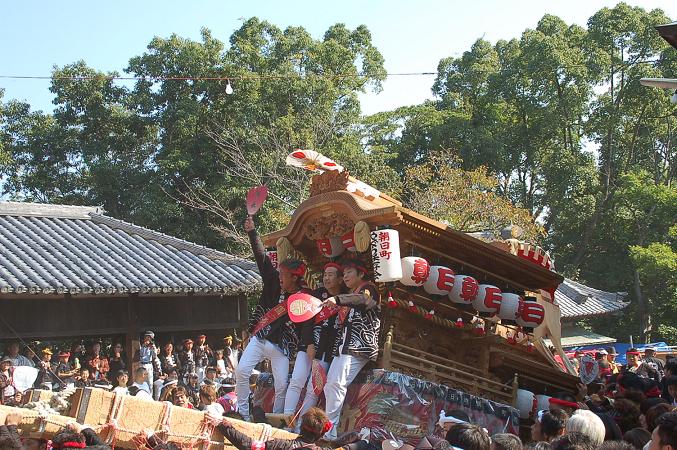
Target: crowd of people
626	407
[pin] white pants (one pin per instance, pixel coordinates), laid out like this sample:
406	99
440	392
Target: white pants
311	398
257	350
342	372
149	369
299	377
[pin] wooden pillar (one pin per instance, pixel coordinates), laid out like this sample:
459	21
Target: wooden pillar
132	336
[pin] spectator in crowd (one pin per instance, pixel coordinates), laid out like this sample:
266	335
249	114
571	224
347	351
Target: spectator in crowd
587	423
227	397
7	390
9	435
573	441
82	379
78	436
148	357
208	401
97	363
549	425
645	406
187	360
671	384
203	356
655	363
193	389
626	413
616	445
468	437
670	370
170	381
636	365
65	371
220	364
540	445
210	377
637	437
611	355
180	397
121	380
116	362
17	358
654	413
169	360
505	441
664	436
46	378
141	383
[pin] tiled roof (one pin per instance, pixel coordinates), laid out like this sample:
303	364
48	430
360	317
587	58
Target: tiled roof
577	300
54	249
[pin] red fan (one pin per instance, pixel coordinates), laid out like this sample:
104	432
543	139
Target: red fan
302	306
318	377
255	198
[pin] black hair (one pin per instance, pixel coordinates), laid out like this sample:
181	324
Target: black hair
468	437
671	365
540	445
616	445
573	441
649	403
553	422
637	437
667	429
506	441
671	380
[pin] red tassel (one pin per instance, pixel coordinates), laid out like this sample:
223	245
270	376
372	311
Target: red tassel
531	347
459	323
429	315
392	304
511	339
412	307
479	329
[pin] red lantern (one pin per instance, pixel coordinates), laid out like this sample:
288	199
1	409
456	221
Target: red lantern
478	330
531	314
415	271
459	323
429	315
464	289
440	281
488	299
510	306
412	307
348	241
331	248
392	304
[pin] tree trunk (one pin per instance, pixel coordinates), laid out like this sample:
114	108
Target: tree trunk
643	311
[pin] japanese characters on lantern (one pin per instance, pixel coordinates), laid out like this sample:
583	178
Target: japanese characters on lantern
440	281
415	271
510	306
385	255
464	290
531	314
331	248
488	300
272	256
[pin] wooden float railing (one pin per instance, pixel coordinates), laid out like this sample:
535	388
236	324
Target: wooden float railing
437	369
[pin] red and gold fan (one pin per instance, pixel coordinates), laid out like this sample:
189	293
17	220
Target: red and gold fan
311	160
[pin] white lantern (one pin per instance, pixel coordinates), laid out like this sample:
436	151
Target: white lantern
510	306
440	281
348	241
331	248
488	299
526	403
415	271
385	255
272	256
542	403
464	290
531	314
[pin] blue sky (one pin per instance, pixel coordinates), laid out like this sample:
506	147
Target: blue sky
412	36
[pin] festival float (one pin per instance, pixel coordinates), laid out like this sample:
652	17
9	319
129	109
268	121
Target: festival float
463	319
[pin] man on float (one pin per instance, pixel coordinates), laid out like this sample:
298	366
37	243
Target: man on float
357	342
273	335
319	339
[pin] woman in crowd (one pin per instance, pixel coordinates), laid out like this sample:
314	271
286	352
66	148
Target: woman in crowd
116	362
549	425
208	401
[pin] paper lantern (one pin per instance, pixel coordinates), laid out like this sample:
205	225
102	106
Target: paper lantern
488	299
531	314
464	290
385	255
440	281
510	306
526	403
330	248
272	256
542	403
415	271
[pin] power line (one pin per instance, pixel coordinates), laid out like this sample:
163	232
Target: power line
199	78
